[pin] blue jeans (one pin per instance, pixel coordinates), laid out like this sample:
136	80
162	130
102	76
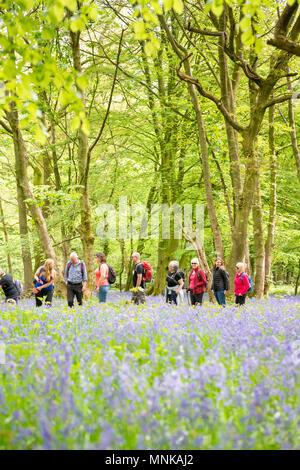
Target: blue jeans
220	296
102	293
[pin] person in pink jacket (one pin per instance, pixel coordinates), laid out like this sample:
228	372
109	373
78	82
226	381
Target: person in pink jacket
241	284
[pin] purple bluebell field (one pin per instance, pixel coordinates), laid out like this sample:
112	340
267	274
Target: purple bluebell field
118	376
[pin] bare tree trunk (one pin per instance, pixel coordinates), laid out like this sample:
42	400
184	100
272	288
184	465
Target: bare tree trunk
259	244
293	132
181	52
297	281
272	202
86	228
26	193
228	98
24	238
9	263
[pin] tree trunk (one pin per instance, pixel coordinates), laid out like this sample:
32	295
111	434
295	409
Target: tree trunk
9	263
228	98
26	193
272	202
258	244
293	132
216	231
86	227
24	237
298	279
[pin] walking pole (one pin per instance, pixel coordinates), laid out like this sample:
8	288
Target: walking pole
188	297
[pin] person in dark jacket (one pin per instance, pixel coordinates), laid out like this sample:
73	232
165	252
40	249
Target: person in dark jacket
197	283
220	284
175	284
9	288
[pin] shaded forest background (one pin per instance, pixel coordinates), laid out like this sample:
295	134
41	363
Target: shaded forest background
164	102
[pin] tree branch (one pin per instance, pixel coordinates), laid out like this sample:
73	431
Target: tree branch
217	101
280	39
282	98
8	129
107	110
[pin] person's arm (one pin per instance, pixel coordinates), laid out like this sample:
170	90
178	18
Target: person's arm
180	281
246	284
45	285
139	280
102	275
66	274
37	273
225	279
84	278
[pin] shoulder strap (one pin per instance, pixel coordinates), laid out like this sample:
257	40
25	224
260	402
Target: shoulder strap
68	267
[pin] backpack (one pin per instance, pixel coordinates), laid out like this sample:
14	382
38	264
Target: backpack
19	286
112	276
250	282
206	279
69	265
148	271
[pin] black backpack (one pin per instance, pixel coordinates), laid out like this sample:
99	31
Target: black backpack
112	276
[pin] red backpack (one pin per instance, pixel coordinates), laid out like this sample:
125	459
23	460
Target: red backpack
148	271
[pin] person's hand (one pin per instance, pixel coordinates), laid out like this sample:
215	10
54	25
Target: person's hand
83	288
225	292
177	292
39	288
240	294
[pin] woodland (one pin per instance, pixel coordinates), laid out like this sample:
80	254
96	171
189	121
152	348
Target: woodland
164	102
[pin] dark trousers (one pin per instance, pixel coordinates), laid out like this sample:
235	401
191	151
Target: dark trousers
138	297
240	299
196	299
171	297
74	290
39	298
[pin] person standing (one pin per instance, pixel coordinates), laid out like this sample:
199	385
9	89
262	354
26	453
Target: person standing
241	283
10	291
197	283
76	279
101	277
220	284
44	283
138	281
175	282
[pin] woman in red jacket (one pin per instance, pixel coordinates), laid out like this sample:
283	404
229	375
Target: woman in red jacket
241	284
197	283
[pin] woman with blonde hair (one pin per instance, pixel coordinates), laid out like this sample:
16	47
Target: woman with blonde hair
242	284
44	283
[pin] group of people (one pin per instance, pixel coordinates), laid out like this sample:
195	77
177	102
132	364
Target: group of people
76	281
197	283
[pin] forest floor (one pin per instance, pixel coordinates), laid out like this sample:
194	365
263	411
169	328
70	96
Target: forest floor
118	376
